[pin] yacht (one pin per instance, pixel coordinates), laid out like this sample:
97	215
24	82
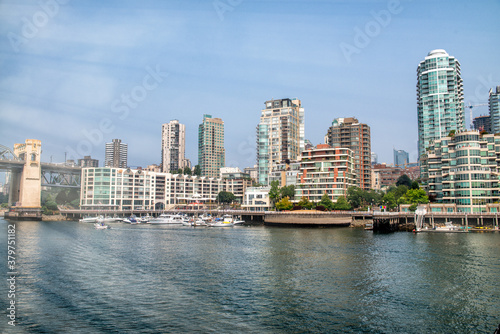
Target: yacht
167	219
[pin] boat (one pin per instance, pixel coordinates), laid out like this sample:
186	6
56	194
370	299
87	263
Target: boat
231	219
447	228
131	220
167	219
111	219
219	222
144	219
100	226
89	219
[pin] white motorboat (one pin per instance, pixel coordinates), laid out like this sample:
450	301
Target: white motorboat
167	219
100	226
111	219
144	219
448	227
219	222
89	219
131	220
231	219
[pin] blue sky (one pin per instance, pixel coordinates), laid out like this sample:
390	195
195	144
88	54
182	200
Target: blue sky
76	74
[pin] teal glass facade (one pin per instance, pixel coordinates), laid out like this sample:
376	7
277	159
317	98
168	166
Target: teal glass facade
440	102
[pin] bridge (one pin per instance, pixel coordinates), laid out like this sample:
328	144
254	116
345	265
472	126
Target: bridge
27	176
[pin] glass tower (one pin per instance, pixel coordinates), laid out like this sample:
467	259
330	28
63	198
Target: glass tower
440	101
494	106
280	135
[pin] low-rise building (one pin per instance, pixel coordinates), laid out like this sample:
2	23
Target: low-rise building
257	199
130	189
463	170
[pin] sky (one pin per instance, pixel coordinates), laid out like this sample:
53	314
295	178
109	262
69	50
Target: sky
76	74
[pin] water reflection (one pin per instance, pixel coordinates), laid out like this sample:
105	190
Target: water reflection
253	279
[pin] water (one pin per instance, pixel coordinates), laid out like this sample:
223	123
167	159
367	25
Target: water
163	279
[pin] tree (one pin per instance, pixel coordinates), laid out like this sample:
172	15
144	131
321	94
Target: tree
326	201
225	197
341	204
355	197
414	196
284	204
187	171
274	192
304	202
404	180
288	191
389	200
197	170
415	185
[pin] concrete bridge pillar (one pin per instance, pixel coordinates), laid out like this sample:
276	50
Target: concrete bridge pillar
26	185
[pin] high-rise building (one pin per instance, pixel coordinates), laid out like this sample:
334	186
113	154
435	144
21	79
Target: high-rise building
462	169
494	106
349	133
325	170
374	157
87	161
173	146
116	154
211	152
401	158
280	135
440	101
482	123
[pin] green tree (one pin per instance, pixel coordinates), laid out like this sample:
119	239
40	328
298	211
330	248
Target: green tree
341	204
415	185
399	192
274	192
187	171
355	197
404	180
389	200
197	170
225	197
284	204
288	191
414	196
304	202
326	202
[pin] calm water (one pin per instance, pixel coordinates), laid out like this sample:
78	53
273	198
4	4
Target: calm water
158	279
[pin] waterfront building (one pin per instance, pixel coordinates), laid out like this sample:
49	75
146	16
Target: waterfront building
325	169
440	101
280	135
211	152
87	161
137	189
257	199
401	158
349	133
462	170
116	154
173	146
482	123
494	106
286	173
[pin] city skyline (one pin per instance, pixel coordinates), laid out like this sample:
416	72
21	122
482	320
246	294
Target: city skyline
78	75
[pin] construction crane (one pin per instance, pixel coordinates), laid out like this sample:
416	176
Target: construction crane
470	106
